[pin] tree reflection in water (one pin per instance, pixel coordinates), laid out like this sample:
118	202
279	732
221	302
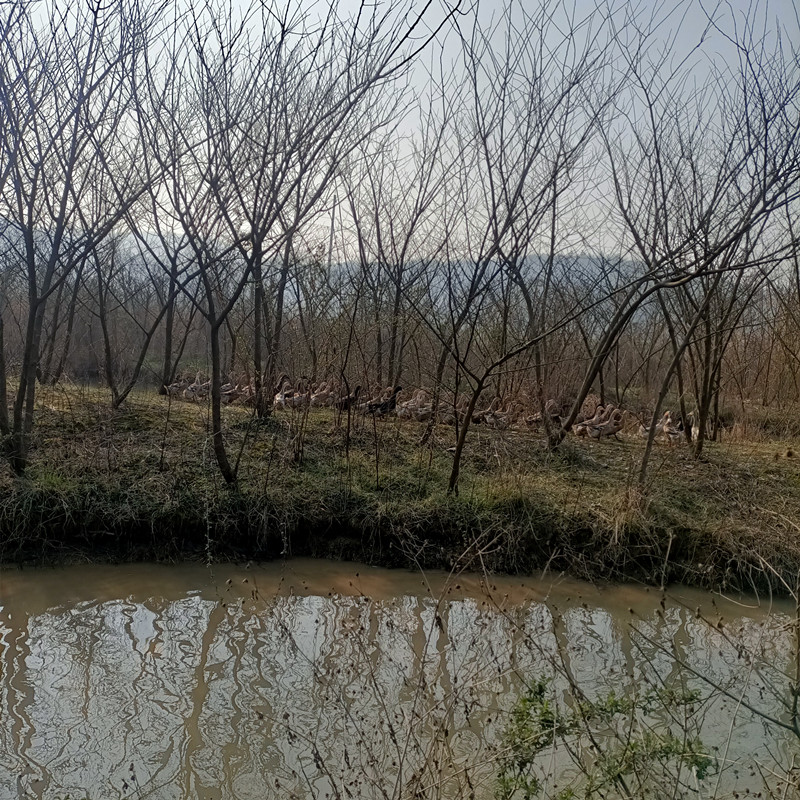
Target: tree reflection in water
252	683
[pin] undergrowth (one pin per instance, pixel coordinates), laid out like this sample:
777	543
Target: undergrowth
107	484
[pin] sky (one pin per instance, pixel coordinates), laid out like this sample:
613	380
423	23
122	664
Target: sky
690	35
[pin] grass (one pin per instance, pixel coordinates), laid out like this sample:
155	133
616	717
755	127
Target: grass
141	483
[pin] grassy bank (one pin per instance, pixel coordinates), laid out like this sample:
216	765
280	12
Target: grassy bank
141	483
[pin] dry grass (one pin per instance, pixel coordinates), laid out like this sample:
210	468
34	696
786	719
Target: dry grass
141	482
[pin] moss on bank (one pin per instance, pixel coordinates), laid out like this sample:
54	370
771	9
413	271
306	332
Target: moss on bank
141	483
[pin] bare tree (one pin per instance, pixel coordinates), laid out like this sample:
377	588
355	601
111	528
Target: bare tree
66	100
274	118
519	136
698	175
5	428
393	197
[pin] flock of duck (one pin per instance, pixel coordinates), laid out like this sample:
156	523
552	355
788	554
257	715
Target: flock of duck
596	422
609	420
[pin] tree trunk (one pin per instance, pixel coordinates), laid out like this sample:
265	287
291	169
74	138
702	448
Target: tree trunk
678	352
620	319
258	338
277	328
22	426
65	350
46	362
704	401
715	425
217	439
393	376
437	390
108	360
452	486
5	428
169	327
378	350
687	428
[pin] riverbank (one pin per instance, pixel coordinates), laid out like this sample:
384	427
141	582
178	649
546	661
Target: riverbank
141	484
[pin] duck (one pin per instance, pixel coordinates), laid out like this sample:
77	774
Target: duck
176	389
321	395
502	418
582	428
230	394
423	413
196	391
248	395
550	412
665	421
380	408
300	399
609	427
672	432
419	407
686	426
405	410
446	415
481	417
348	402
499	420
283	396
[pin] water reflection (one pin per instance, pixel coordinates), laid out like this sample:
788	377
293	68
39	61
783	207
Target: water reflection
314	679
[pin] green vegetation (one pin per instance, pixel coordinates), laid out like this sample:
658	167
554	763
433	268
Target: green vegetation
141	483
616	743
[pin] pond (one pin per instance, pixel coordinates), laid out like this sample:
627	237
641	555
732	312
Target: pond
325	679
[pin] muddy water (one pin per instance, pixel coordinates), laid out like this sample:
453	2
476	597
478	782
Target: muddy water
315	679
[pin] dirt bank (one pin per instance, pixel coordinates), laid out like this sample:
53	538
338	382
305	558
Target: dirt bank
130	485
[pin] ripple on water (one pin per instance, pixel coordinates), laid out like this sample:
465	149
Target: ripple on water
239	682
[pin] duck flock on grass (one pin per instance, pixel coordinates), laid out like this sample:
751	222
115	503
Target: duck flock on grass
596	421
